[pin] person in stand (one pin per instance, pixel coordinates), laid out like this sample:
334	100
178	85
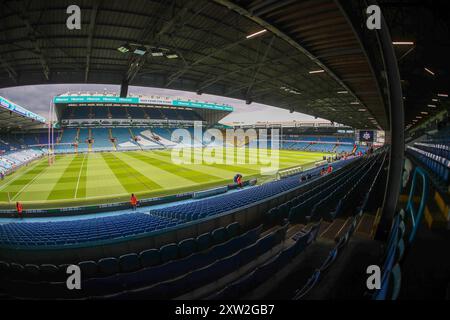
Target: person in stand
323	172
2	175
133	201
330	169
239	181
19	209
303	178
309	176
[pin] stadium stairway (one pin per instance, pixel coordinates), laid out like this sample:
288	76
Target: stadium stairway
111	138
333	237
134	138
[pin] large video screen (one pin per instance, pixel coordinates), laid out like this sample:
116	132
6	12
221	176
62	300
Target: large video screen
366	136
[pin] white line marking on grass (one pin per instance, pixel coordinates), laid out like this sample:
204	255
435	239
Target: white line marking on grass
19	176
28	184
79	176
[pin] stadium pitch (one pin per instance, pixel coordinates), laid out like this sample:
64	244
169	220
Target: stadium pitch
95	178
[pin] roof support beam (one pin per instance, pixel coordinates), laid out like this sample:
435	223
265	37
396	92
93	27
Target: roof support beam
90	37
32	37
175	76
11	72
212	81
255	75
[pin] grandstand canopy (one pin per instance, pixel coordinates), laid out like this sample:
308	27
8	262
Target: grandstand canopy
13	116
302	56
210	112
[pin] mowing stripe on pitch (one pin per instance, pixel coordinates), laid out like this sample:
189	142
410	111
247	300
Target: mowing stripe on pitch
79	176
63	188
20	175
190	174
29	183
131	179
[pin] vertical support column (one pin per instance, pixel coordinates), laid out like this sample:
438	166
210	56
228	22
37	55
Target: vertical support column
124	89
49	133
396	133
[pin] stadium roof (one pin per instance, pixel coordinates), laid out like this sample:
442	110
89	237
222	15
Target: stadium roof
87	98
303	56
13	116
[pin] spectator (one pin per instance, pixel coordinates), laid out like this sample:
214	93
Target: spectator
323	172
239	181
133	201
309	177
303	178
330	169
19	209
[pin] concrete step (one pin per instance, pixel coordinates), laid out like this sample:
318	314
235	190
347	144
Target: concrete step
434	217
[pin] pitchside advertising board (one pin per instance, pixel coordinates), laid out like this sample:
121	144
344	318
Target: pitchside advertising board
143	101
367	136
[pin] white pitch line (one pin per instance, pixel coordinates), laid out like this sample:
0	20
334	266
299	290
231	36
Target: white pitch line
29	183
19	176
79	176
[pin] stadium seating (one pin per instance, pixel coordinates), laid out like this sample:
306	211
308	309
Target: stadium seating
124	140
118	113
68	138
14	159
319	144
435	157
156	265
82	112
146	139
176	269
210	207
155	114
100	113
136	113
341	242
101	138
80	231
255	277
83	137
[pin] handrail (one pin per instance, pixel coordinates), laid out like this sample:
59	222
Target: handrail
416	216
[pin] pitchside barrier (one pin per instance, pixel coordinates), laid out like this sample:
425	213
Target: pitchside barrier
121	205
249	216
321	163
282	174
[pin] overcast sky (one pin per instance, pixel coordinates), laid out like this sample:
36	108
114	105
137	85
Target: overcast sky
37	99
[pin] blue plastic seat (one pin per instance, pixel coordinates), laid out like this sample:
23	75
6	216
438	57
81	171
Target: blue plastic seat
187	247
219	235
168	252
88	268
108	266
129	262
233	230
203	241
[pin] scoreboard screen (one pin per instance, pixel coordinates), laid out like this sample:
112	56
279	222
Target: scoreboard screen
366	136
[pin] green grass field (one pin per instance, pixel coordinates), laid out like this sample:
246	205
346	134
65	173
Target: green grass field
109	177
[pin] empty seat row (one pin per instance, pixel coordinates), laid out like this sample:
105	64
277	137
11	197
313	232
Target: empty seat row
125	263
118	281
299	208
263	273
439	165
228	202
